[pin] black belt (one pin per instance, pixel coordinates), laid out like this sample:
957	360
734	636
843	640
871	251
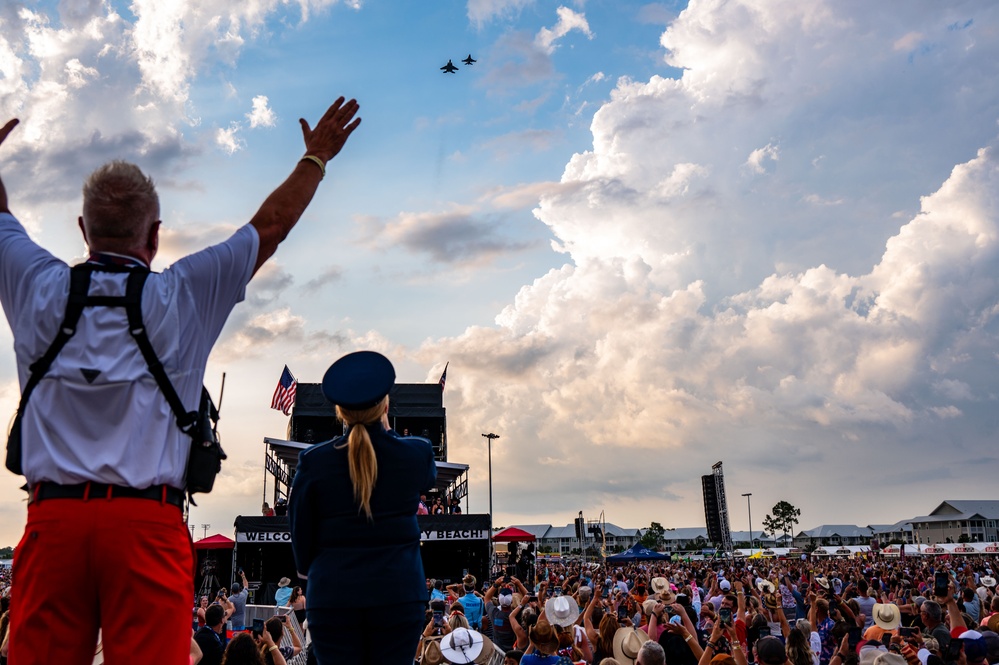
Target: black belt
164	493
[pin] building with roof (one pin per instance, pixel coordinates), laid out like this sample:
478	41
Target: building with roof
899	532
563	540
834	534
976	521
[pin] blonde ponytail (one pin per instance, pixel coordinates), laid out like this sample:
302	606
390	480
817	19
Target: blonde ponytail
361	460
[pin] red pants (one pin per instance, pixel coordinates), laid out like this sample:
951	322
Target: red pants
123	565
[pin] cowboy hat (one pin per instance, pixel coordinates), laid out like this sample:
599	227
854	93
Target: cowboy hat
648	606
627	642
432	654
822	581
765	586
462	645
887	615
988	580
283	582
659	584
543	637
561	611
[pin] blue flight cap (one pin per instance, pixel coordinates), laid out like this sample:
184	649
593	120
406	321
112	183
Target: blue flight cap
359	380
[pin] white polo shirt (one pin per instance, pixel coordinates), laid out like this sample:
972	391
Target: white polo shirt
117	429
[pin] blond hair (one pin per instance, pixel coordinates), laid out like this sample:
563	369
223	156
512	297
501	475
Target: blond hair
361	460
120	205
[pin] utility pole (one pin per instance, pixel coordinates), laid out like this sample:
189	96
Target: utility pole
491	436
749	503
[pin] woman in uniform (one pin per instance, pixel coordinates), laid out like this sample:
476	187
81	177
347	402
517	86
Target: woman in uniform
353	523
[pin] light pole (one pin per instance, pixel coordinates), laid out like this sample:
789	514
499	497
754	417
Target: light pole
749	504
491	436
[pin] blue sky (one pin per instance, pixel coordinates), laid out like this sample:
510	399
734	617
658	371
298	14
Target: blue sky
647	236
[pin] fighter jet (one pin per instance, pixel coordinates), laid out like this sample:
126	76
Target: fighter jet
449	68
469	60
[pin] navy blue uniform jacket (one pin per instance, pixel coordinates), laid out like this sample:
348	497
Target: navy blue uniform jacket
344	555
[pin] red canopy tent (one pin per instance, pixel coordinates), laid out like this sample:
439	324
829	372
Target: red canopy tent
216	542
513	535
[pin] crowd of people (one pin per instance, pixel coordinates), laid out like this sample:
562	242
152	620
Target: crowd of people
876	611
439	506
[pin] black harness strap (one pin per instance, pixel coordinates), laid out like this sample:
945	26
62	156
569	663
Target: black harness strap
137	328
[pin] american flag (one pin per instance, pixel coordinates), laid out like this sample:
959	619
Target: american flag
284	394
444	376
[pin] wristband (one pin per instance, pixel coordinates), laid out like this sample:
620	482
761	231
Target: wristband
688	638
273	647
315	160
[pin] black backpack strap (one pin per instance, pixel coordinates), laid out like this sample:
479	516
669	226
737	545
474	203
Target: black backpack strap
137	328
79	285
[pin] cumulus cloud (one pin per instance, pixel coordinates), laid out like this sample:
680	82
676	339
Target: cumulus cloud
759	158
261	115
568	20
60	65
792	325
228	138
453	237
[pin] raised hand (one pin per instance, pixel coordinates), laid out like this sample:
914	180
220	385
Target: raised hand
8	128
332	130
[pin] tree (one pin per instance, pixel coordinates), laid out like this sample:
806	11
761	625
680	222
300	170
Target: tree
782	518
653	538
6	552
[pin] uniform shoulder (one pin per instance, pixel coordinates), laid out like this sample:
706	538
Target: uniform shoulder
416	441
324	446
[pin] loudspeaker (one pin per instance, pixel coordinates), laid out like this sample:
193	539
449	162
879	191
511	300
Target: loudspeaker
580	528
711	518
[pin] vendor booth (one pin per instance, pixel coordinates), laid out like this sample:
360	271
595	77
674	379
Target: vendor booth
520	553
637	552
214	565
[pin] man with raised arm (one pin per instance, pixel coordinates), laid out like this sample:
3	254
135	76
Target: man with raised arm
99	446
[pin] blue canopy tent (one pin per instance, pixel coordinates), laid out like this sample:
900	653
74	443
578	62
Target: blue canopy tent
637	552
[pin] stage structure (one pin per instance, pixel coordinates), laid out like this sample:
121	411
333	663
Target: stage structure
451	546
716	509
414	408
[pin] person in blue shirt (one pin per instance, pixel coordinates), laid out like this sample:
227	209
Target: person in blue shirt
283	594
353	522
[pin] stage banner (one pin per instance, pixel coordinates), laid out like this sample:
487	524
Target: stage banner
454	527
262	530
